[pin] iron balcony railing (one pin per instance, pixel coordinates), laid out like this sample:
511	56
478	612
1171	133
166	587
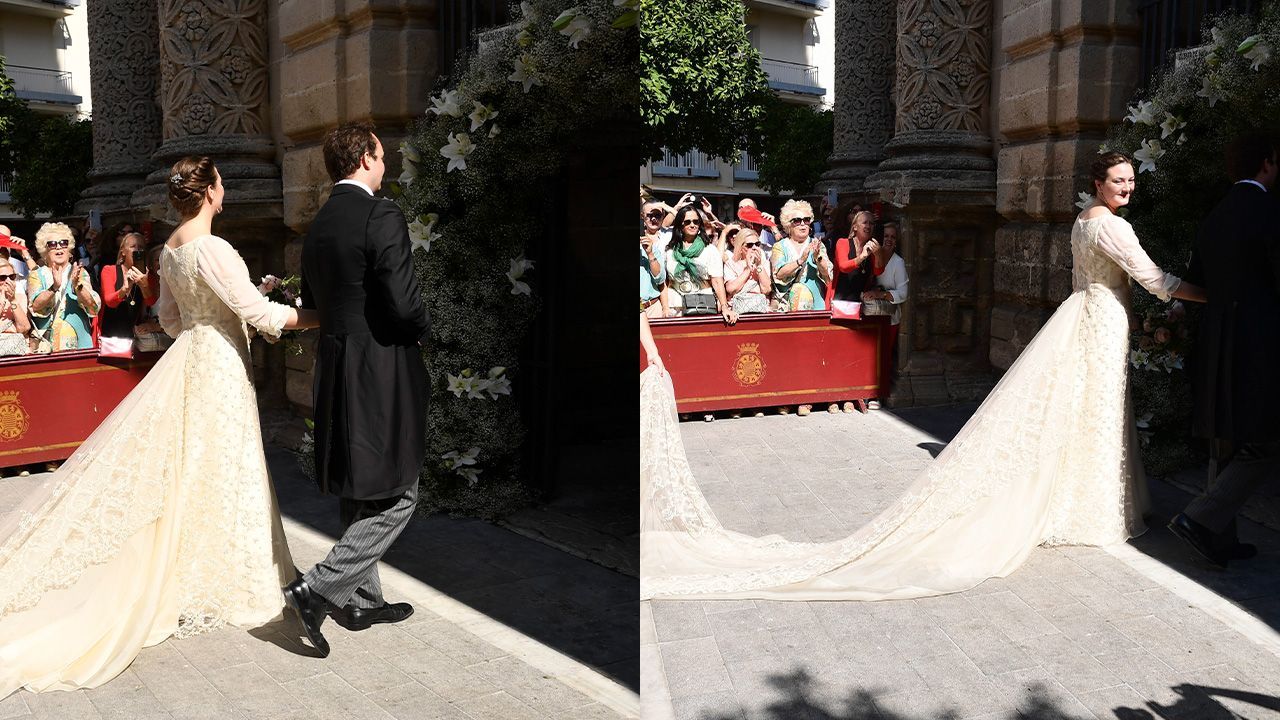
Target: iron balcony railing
1169	25
793	77
746	169
694	163
32	83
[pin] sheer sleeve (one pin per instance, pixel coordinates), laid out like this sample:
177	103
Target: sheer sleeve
219	265
1117	240
167	312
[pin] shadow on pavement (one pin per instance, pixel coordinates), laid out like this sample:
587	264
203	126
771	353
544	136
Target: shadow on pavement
801	701
580	609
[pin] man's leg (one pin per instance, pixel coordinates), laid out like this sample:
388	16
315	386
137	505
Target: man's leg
353	561
1252	465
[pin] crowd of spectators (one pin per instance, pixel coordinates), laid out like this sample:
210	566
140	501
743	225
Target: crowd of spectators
68	289
843	261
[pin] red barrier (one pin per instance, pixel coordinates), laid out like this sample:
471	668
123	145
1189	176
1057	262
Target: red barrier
774	359
49	404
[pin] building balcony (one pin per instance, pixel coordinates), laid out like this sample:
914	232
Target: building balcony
43	85
792	77
694	163
745	168
802	8
43	8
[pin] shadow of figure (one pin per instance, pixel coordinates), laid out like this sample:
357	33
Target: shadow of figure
933	448
287	635
803	699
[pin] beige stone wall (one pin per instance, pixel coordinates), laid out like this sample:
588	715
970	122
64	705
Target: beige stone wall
1066	71
334	62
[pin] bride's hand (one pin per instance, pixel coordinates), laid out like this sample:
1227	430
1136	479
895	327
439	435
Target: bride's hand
655	361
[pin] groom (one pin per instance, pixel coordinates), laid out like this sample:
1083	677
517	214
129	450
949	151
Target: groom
370	385
1236	259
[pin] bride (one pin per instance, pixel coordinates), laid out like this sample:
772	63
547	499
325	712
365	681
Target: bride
164	521
1050	458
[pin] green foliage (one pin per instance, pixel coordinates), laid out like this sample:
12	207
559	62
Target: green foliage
1189	178
49	157
792	147
701	84
546	96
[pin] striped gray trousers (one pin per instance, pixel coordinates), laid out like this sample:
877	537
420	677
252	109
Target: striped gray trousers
349	573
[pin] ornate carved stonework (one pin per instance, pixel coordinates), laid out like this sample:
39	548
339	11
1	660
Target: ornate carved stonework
864	85
214	95
942	135
126	118
944	70
213	67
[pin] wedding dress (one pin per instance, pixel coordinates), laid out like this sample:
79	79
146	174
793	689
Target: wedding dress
164	521
1050	458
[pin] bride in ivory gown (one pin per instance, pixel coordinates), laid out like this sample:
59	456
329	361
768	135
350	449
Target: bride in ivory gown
1050	458
164	521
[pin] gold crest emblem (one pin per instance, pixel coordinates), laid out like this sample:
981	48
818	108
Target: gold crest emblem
748	368
13	417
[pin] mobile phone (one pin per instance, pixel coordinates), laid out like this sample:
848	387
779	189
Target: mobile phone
139	258
95	220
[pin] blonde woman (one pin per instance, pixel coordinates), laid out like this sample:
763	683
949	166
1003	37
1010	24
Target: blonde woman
62	299
801	269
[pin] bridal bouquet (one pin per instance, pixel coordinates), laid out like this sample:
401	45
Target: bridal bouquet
286	291
1164	340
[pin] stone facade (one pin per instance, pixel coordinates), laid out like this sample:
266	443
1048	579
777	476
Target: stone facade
998	107
254	84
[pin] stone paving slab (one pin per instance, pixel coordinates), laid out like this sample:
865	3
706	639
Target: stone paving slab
1074	633
452	660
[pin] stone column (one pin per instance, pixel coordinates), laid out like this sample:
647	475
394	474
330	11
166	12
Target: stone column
214	98
939	175
123	41
1068	73
864	85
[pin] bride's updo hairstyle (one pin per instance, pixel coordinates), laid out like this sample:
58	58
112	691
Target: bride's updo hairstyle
1105	161
188	181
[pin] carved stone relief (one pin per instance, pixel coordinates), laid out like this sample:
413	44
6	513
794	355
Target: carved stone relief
944	67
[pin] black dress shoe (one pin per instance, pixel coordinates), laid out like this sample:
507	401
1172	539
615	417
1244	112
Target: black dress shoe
310	608
1200	539
355	618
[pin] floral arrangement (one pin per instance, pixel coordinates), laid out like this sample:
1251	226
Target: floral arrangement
286	291
479	172
1176	132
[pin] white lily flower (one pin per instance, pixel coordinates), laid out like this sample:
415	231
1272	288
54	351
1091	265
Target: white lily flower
499	383
481	114
472	475
409	174
420	231
457	385
494	130
525	72
1172	124
410	153
1259	54
457	459
1207	91
1219	37
1085	200
1144	421
457	150
574	23
1148	155
1142	114
530	15
446	104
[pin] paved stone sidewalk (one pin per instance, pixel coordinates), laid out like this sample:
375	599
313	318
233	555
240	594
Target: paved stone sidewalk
504	629
1075	633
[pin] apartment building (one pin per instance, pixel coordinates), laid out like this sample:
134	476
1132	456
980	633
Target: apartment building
796	41
45	45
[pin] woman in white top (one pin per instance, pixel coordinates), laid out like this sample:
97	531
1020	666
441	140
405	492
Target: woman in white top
892	285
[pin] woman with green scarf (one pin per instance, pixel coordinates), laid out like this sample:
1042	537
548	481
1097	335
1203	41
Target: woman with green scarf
695	269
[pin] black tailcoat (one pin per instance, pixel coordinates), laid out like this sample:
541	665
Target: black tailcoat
1235	371
370	382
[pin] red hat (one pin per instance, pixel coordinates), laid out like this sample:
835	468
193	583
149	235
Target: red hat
753	215
7	241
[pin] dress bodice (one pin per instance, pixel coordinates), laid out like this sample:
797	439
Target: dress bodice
1105	251
197	303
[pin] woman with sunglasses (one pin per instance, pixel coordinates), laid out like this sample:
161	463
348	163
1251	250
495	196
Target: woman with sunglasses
695	268
15	326
61	296
801	269
746	272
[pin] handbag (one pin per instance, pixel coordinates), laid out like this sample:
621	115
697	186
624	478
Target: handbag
699	304
115	347
749	302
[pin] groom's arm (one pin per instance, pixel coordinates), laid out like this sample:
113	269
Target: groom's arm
392	260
